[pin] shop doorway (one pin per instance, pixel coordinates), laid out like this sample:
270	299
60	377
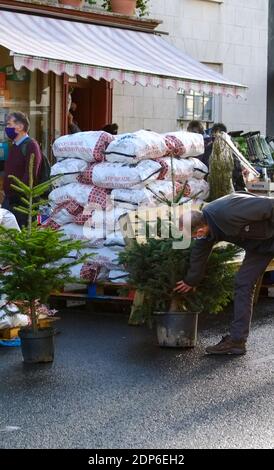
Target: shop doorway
92	103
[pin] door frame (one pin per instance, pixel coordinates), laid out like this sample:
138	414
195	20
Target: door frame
65	92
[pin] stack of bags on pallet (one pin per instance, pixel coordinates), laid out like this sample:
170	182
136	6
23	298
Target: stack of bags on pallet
76	202
105	177
158	153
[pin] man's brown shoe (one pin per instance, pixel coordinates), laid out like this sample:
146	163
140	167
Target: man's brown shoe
227	346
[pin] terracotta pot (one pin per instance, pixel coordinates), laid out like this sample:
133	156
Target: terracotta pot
125	7
72	3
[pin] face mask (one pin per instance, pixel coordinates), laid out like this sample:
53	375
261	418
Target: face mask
200	237
11	132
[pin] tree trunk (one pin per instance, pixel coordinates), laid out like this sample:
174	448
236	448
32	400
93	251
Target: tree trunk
173	306
34	322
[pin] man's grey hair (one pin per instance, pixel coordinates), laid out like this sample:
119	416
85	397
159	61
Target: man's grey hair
197	220
192	220
21	118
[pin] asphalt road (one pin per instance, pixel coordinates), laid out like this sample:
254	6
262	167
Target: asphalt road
111	386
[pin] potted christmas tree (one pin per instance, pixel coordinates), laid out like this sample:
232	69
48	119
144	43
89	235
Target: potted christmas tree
155	267
33	257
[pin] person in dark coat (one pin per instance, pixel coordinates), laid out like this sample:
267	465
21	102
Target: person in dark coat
17	164
73	127
196	127
247	221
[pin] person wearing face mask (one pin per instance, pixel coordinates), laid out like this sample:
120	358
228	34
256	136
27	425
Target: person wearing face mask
17	164
246	220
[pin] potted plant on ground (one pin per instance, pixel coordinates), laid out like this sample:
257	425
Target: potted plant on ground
127	7
154	269
35	268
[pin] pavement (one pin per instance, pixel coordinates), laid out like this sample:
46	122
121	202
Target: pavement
112	387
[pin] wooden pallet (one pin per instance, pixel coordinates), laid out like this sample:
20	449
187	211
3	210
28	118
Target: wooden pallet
110	291
10	333
106	291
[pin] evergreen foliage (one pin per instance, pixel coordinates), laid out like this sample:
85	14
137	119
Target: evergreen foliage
155	267
241	143
33	255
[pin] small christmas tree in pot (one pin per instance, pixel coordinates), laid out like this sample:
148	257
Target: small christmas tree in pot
155	266
35	268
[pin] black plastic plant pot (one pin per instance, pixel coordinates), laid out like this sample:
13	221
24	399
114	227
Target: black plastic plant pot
37	346
176	329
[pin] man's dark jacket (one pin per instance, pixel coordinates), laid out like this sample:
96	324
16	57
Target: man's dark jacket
240	218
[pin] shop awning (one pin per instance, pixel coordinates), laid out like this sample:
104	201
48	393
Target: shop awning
104	52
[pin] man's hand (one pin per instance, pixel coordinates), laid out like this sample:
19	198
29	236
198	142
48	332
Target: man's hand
183	288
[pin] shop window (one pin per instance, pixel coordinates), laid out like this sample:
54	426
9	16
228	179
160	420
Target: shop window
28	92
205	107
